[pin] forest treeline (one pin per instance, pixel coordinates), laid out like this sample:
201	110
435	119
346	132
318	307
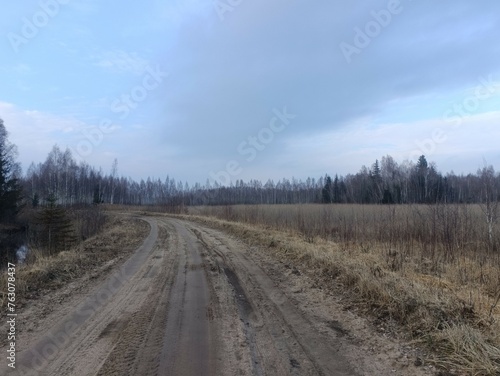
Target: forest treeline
384	182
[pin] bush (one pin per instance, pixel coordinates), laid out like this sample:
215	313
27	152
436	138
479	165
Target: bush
89	220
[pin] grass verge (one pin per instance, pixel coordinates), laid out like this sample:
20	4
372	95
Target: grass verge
119	237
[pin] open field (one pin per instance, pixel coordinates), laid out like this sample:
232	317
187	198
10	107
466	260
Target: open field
429	269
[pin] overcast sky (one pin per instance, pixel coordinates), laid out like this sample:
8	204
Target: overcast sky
261	89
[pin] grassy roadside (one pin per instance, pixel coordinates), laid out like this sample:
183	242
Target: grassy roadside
120	236
462	338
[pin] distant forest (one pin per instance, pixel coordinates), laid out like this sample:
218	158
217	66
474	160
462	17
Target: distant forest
384	182
62	179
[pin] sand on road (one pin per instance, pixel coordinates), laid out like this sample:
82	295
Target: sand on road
190	301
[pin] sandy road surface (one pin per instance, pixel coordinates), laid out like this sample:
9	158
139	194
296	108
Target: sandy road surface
190	301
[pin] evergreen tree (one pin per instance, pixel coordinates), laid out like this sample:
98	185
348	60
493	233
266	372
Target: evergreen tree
97	196
35	201
422	172
387	199
327	190
336	190
422	164
10	187
376	177
57	231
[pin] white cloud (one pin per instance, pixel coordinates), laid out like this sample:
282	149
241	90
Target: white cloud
453	147
120	61
35	132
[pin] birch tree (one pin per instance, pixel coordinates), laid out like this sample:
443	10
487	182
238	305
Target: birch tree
489	198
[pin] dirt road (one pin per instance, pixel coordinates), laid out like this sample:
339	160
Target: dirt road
190	301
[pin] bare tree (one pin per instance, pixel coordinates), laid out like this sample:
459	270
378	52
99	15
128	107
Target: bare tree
114	175
489	198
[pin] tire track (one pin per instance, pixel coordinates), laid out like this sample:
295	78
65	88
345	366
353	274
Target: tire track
108	325
189	335
136	350
286	341
245	308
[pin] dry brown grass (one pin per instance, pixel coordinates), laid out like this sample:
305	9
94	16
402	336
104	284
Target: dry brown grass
467	347
42	273
430	269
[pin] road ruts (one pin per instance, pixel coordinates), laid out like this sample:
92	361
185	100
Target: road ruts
189	302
